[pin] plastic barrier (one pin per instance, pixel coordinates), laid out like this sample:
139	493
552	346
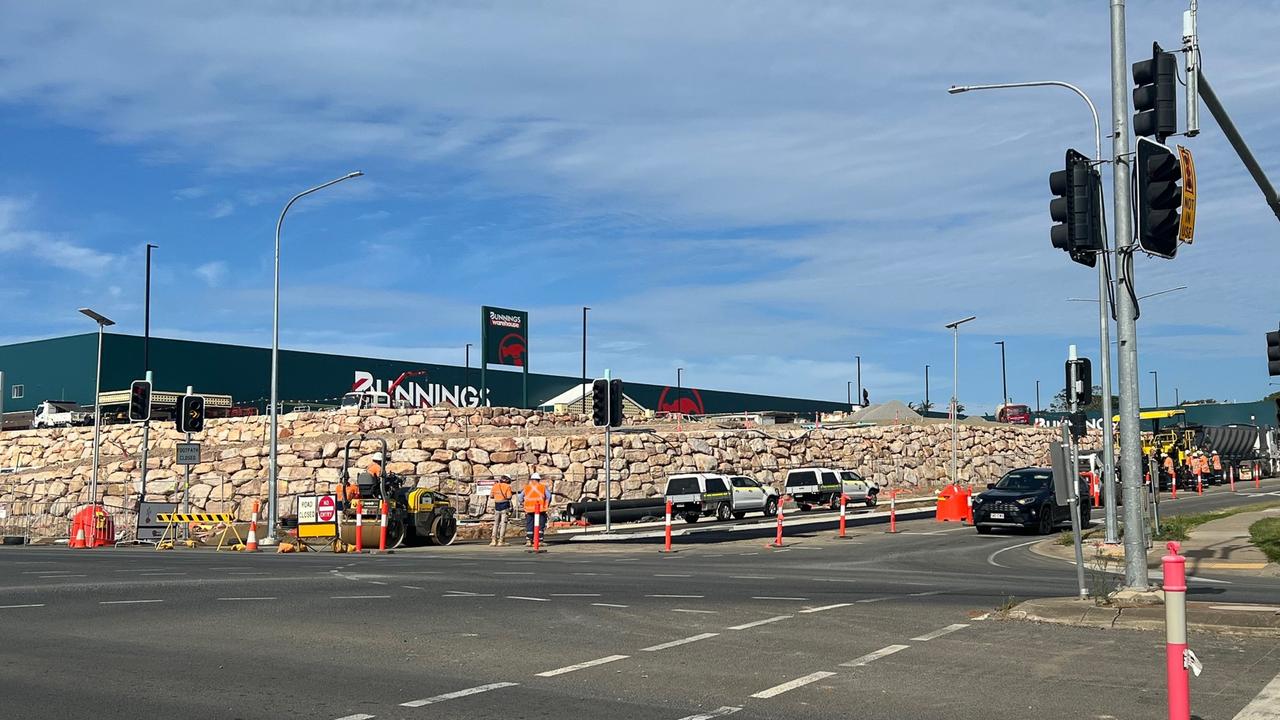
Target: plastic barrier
777	540
667	543
954	505
359	526
92	527
1178	657
844	501
893	510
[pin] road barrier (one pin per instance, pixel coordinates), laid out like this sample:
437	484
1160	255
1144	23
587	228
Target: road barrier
251	545
382	531
955	504
1231	477
777	540
893	510
359	526
1177	656
92	527
844	501
169	538
666	548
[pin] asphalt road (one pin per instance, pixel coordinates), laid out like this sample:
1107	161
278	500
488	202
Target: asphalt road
877	626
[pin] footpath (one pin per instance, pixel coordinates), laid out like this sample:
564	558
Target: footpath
1221	547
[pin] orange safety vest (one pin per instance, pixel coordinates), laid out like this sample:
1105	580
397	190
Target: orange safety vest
502	492
1168	465
535	497
375	469
1217	463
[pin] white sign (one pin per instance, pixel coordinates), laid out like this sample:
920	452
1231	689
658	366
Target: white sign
484	486
307	509
188	454
326	508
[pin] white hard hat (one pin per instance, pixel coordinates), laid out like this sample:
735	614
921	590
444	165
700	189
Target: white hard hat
536	476
377	457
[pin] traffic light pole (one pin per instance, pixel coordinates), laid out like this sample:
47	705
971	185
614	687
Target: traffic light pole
608	456
1242	149
1135	553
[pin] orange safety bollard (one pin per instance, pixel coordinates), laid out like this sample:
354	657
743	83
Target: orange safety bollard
666	548
777	540
893	510
844	501
251	543
382	533
1199	485
1231	477
1095	488
1173	481
359	525
537	533
1257	475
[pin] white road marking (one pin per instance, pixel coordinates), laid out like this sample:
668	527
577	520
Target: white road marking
613	605
460	592
694	597
991	559
376	582
699	612
360	597
718	712
1246	608
1264	707
44	572
68	575
673	575
522	597
766	597
871	600
583	665
677	643
360	716
460	693
871	657
751	577
238	572
757	623
931	592
940	632
792	685
512	573
247	598
127	602
13	607
825	607
590	573
411	587
161	573
575	594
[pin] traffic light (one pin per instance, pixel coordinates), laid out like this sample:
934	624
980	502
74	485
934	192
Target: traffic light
1154	101
1084	381
1077	209
615	403
1159	198
1078	422
600	403
140	401
191	413
1273	353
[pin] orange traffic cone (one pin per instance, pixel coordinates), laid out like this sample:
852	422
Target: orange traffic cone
251	544
79	540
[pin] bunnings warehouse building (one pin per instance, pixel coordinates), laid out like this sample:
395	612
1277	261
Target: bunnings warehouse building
63	369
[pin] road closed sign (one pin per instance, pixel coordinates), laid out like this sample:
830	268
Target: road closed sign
317	516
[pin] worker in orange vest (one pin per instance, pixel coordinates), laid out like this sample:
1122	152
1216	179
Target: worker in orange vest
1217	466
536	499
502	494
1170	470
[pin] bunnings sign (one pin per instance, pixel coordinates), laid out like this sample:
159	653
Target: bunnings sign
504	340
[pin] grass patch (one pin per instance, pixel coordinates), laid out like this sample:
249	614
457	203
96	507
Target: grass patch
1266	535
1179	527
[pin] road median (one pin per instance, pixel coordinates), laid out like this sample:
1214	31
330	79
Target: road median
1235	618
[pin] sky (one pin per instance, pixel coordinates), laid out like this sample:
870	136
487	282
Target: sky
757	192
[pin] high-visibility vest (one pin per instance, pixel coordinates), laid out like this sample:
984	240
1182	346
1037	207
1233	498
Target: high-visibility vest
1217	463
535	497
1168	465
375	469
502	492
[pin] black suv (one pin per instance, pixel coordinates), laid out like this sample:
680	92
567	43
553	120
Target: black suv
1025	499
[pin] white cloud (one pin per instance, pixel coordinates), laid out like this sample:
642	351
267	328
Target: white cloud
49	248
222	209
213	273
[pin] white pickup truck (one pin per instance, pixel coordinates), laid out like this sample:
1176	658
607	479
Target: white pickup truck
57	413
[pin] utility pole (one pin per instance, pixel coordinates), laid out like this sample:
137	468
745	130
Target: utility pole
584	357
1156	374
1135	551
926	387
1004	380
146	374
858	360
848	393
466	364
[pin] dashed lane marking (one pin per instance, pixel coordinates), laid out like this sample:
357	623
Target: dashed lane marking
583	665
233	599
767	597
825	607
360	716
940	632
612	605
758	623
677	643
376	582
751	577
150	574
522	597
685	597
360	597
871	600
792	685
127	602
15	607
718	712
927	594
411	587
452	594
698	612
676	575
873	656
64	575
458	694
512	573
575	594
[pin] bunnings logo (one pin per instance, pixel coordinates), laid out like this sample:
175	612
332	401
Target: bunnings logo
415	394
687	401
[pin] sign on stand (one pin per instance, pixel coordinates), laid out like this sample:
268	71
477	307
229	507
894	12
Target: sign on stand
484	486
188	453
149	526
317	516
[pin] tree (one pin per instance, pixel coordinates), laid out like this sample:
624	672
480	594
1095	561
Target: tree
1059	402
921	407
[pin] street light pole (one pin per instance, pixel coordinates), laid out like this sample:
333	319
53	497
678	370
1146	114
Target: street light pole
1156	374
1037	396
1119	99
103	322
146	373
858	359
1004	382
272	491
926	388
848	393
584	357
955	395
466	363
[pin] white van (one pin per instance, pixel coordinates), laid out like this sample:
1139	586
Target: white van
696	495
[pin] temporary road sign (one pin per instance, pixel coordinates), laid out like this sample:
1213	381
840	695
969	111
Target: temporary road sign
317	516
326	508
188	453
1187	225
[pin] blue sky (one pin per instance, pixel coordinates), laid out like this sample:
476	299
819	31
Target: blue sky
754	191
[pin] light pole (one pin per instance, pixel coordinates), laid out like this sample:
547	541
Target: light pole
584	357
1156	375
466	363
678	371
848	393
1177	397
1037	396
1004	381
926	388
272	499
146	373
955	395
1104	284
858	360
103	322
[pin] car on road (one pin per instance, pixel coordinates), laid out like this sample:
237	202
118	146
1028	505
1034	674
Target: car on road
696	495
1024	498
813	487
859	489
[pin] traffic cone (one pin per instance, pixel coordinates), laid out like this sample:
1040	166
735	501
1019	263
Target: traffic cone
251	544
79	540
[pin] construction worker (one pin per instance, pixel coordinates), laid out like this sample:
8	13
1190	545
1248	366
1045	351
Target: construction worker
536	500
1170	470
375	465
1217	466
502	494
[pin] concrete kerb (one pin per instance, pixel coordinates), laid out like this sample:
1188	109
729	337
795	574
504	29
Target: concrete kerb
1234	618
